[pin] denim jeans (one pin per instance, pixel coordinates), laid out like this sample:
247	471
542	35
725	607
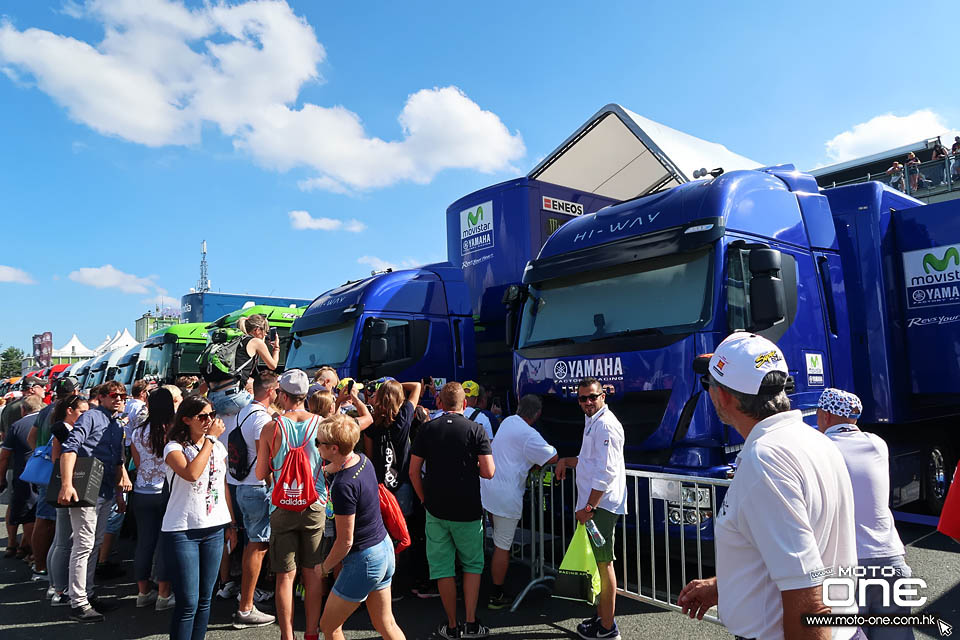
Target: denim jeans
194	557
148	509
874	605
228	402
58	559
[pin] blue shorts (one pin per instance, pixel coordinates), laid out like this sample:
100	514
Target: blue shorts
254	503
115	521
228	402
45	511
366	571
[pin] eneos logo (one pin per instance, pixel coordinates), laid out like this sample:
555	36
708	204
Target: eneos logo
476	228
932	276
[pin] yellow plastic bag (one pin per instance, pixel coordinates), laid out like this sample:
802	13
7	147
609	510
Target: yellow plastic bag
578	577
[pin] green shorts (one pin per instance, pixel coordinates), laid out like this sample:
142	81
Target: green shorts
448	540
296	538
606	522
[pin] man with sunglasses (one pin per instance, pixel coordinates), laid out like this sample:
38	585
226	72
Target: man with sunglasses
97	433
787	521
601	496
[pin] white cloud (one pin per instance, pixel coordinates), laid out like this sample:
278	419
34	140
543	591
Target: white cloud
302	220
160	300
12	274
379	264
108	277
885	132
163	70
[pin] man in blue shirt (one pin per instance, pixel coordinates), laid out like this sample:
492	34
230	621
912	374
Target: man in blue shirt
98	434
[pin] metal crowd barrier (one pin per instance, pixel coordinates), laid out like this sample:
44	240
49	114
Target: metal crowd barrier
665	540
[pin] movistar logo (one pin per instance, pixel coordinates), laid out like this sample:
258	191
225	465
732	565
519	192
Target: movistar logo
815	361
476	216
941	264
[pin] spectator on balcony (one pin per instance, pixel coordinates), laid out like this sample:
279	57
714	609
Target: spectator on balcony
940	153
896	175
913	170
955	161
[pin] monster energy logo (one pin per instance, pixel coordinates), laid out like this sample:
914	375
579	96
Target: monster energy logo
931	260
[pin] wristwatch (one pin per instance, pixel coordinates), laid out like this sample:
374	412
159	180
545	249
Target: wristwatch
588	508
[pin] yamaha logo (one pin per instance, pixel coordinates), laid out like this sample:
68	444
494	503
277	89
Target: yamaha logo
560	370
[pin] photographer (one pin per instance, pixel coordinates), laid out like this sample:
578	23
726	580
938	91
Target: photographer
228	394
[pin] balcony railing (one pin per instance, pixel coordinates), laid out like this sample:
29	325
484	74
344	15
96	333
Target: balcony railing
918	180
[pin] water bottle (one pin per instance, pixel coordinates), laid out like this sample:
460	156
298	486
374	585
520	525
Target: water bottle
595	536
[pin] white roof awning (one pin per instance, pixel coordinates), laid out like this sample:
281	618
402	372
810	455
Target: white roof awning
622	155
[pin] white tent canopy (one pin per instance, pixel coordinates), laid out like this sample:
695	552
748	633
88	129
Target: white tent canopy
122	340
622	155
73	347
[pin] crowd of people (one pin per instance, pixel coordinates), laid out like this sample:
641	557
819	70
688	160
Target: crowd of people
910	168
295	471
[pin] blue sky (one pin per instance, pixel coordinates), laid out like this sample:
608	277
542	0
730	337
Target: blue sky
308	141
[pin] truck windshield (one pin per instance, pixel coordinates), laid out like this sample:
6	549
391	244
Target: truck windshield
659	294
155	364
328	346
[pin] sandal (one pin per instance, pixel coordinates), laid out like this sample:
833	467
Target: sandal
11	551
23	552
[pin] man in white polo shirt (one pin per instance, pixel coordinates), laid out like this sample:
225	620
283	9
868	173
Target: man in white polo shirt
517	448
601	497
878	544
786	522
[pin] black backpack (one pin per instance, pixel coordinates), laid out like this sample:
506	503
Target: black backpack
238	461
218	361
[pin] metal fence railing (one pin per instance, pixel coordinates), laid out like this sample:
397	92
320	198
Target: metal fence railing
665	540
918	180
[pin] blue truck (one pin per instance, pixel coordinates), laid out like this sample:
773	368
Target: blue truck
444	320
858	285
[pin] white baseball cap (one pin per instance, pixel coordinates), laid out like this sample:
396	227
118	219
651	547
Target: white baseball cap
743	359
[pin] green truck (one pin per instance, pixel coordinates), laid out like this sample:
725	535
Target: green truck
281	318
172	352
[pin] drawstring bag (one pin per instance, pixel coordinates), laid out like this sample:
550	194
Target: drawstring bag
393	519
295	488
578	577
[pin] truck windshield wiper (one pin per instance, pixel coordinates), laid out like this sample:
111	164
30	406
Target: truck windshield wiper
552	341
651	331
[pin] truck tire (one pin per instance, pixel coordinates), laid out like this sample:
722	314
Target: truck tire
937	475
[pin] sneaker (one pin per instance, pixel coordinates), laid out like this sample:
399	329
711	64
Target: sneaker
500	601
60	600
229	590
253	618
596	631
428	590
443	631
259	595
50	593
37	576
86	614
102	605
586	625
165	603
474	630
146	599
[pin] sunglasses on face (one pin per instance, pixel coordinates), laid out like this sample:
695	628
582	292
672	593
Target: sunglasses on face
591	398
206	417
705	383
113	395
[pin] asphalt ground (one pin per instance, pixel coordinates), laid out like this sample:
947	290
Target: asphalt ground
23	616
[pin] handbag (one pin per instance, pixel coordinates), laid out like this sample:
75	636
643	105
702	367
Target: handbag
578	577
950	515
393	519
87	476
39	466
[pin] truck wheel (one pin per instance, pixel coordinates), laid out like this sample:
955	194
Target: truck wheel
936	479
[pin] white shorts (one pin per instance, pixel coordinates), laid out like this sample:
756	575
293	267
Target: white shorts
503	531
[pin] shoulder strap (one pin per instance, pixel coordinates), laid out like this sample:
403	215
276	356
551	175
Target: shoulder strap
473	415
283	438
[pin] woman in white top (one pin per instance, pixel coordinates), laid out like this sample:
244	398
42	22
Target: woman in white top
150	499
199	514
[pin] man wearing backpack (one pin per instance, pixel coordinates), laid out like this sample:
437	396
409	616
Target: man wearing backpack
288	450
253	498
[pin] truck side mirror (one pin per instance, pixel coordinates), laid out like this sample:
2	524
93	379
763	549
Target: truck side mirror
378	349
768	304
513	298
378	328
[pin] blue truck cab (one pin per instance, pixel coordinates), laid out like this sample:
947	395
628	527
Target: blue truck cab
444	320
632	294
